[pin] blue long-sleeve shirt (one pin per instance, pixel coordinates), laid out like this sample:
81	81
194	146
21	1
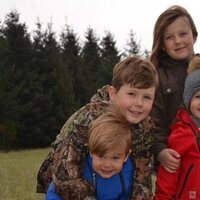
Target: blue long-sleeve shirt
117	187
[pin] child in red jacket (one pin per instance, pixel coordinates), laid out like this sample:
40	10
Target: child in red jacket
184	184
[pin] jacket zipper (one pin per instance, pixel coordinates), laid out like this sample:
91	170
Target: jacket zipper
185	180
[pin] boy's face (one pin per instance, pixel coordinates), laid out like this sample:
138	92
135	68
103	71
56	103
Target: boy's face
135	103
178	39
111	163
195	105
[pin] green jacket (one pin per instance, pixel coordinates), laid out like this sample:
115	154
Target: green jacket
65	162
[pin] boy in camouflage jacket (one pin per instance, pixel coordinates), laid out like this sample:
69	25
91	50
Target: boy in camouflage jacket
133	88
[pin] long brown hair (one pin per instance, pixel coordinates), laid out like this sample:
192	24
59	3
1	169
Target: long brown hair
165	19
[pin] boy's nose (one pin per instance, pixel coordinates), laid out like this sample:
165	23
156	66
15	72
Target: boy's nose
138	101
106	163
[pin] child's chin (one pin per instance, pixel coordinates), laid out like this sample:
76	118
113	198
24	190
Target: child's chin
106	175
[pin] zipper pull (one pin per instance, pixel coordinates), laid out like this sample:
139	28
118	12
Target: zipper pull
94	179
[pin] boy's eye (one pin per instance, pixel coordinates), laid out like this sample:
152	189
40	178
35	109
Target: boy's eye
99	156
131	93
147	97
116	158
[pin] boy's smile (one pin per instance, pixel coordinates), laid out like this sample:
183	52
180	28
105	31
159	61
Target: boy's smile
135	103
111	163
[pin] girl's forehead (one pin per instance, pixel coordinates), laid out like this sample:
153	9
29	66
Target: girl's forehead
181	20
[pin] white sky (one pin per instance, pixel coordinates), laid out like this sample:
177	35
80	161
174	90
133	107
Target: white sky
116	16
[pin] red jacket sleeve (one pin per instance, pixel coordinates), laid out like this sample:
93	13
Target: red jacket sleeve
166	184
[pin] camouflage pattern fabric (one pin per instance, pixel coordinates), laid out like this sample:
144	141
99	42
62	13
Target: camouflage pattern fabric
64	164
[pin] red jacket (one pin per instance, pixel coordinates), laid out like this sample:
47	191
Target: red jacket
185	183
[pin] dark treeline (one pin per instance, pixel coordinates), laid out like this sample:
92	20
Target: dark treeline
43	81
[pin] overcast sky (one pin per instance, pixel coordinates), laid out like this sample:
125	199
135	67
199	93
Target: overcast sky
116	16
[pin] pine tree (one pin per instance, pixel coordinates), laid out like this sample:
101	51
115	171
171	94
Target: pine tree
70	50
109	57
7	102
90	62
54	96
16	70
133	47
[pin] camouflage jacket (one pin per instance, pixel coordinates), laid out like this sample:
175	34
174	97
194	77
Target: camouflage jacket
64	164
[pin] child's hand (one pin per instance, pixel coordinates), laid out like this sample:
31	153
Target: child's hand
169	159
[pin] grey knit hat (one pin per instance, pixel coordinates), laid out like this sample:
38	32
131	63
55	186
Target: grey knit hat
192	85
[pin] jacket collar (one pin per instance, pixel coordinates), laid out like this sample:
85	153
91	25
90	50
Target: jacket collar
167	61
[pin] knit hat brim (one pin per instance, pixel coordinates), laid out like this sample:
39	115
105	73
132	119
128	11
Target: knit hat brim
192	85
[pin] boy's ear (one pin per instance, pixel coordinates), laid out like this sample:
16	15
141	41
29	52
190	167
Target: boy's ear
127	155
111	92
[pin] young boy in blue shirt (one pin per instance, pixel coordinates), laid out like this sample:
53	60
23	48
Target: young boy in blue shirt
108	167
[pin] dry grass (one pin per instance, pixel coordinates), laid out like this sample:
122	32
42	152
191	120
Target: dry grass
18	171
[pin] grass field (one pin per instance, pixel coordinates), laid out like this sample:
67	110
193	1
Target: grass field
18	171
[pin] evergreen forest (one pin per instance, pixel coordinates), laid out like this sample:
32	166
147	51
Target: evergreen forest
45	79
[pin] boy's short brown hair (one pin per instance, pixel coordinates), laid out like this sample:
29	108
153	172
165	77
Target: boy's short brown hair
135	71
109	131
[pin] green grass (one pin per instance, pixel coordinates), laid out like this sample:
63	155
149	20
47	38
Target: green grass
18	172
